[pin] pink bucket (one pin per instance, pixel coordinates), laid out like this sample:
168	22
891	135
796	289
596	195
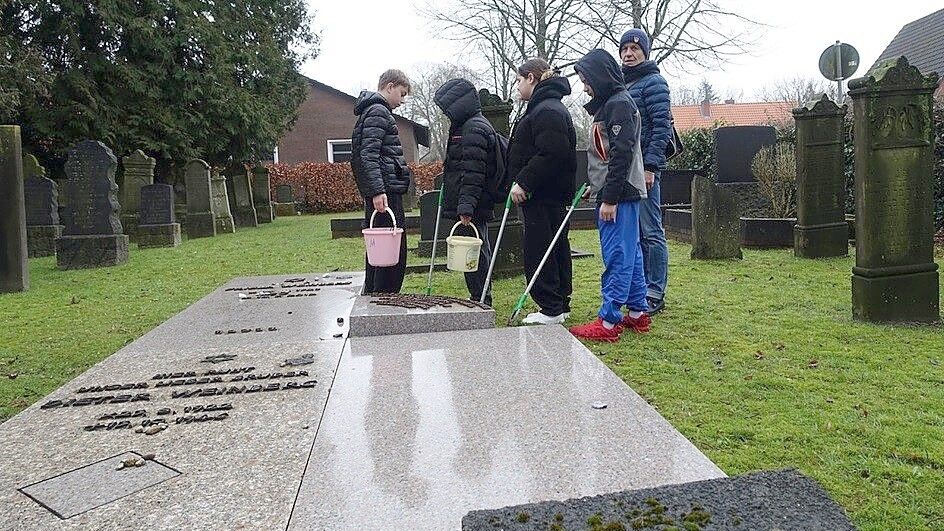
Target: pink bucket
383	243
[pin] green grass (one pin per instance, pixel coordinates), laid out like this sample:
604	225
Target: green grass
757	362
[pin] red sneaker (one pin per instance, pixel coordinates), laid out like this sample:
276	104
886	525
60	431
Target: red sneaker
595	331
639	325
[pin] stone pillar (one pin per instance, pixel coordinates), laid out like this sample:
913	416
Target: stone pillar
139	172
220	201
93	235
201	223
510	261
244	213
716	222
821	230
14	266
42	209
895	278
261	194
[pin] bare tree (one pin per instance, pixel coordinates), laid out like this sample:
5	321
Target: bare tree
797	90
685	95
689	34
421	108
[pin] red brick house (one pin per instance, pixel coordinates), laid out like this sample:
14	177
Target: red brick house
322	132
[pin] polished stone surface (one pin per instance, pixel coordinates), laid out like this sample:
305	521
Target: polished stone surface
421	429
770	500
369	319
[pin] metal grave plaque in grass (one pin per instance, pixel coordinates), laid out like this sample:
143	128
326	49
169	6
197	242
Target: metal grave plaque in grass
42	209
261	194
158	226
14	269
92	236
138	172
201	222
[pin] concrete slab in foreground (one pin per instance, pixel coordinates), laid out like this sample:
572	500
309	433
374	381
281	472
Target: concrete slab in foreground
421	429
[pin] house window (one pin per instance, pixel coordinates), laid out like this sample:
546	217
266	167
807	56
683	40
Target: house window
339	150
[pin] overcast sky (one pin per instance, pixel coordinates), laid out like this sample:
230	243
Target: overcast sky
361	38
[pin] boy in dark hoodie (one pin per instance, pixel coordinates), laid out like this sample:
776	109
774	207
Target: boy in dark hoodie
467	170
617	180
380	169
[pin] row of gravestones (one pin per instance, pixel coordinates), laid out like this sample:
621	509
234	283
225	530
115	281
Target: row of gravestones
895	278
89	232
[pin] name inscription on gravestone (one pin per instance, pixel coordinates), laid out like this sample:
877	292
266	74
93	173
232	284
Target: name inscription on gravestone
157	205
93	207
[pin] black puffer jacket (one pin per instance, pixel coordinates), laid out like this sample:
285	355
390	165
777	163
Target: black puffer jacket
470	153
377	158
542	154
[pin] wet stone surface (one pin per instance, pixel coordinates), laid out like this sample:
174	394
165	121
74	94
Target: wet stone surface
389	314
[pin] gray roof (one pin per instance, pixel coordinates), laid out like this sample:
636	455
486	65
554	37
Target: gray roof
922	42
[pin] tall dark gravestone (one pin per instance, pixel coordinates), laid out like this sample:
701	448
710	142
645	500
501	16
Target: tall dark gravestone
821	230
92	236
220	202
244	213
735	148
157	223
201	222
895	278
716	222
14	265
284	201
261	194
42	209
509	261
139	172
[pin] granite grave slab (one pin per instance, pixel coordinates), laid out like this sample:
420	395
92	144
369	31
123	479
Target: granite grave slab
387	314
421	429
775	500
42	209
14	265
93	235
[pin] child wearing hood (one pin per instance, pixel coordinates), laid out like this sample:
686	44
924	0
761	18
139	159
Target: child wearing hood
617	181
380	169
467	171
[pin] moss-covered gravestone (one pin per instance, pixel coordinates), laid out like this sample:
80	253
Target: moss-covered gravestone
821	228
716	222
201	222
261	195
895	278
138	173
14	269
244	213
92	236
220	201
42	209
284	201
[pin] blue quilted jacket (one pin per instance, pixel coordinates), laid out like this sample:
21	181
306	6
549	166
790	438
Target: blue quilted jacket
650	92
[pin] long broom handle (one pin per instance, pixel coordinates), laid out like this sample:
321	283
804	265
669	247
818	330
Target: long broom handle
432	259
491	264
547	254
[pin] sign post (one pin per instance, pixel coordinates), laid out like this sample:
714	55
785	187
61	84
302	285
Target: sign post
838	62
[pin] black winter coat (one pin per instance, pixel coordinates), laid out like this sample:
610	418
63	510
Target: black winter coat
542	154
470	153
377	155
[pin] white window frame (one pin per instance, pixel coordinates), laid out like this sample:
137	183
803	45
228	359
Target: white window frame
332	143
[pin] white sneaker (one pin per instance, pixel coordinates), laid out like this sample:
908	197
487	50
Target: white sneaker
540	318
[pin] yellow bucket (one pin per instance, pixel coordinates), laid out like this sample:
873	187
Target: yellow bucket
462	252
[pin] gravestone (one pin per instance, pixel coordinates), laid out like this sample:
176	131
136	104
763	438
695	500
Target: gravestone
821	230
284	201
157	224
92	236
429	203
244	213
895	278
201	222
42	209
220	200
139	172
261	194
735	148
14	265
716	223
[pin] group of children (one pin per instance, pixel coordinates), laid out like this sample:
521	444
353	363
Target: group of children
542	163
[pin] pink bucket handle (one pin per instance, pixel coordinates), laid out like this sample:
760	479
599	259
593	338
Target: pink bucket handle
394	218
454	227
